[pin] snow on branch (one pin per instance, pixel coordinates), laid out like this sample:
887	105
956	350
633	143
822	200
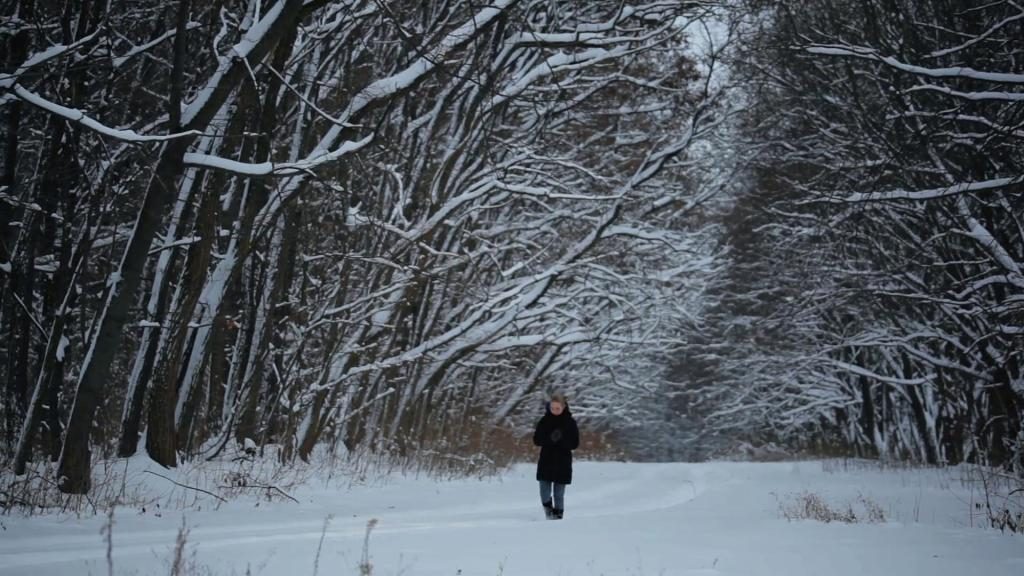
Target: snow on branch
981	37
554	64
951	72
660	236
577	38
514	300
861	371
271	168
586	34
387	87
257	35
55	51
476	329
1001	128
79	117
975	96
119	61
934	193
982	235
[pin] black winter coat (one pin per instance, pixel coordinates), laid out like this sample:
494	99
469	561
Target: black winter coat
557	437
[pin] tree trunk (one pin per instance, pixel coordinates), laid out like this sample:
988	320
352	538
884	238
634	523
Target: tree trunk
18	52
867	413
161	436
48	384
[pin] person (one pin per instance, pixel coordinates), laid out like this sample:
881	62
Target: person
557	435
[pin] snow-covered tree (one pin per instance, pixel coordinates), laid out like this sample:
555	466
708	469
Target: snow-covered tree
892	174
383	224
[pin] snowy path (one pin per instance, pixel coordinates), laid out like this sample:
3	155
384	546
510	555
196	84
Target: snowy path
635	519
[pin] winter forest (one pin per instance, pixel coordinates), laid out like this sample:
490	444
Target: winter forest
388	228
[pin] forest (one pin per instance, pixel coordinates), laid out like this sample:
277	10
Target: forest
388	228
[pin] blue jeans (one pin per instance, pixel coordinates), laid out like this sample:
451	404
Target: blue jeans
559	490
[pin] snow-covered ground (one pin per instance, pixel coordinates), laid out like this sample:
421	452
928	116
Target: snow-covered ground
628	519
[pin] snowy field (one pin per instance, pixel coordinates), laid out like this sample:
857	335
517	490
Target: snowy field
628	519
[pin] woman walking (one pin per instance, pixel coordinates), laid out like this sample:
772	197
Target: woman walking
557	435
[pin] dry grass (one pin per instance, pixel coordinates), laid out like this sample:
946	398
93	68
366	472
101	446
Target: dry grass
36	492
844	465
477	450
811	506
1001	498
767	452
149	488
365	567
997	497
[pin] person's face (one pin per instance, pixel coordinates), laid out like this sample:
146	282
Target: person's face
556	408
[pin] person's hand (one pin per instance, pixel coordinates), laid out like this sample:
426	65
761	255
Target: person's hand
556	434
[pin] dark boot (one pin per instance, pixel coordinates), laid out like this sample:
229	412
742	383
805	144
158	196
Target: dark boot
557	513
549	512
